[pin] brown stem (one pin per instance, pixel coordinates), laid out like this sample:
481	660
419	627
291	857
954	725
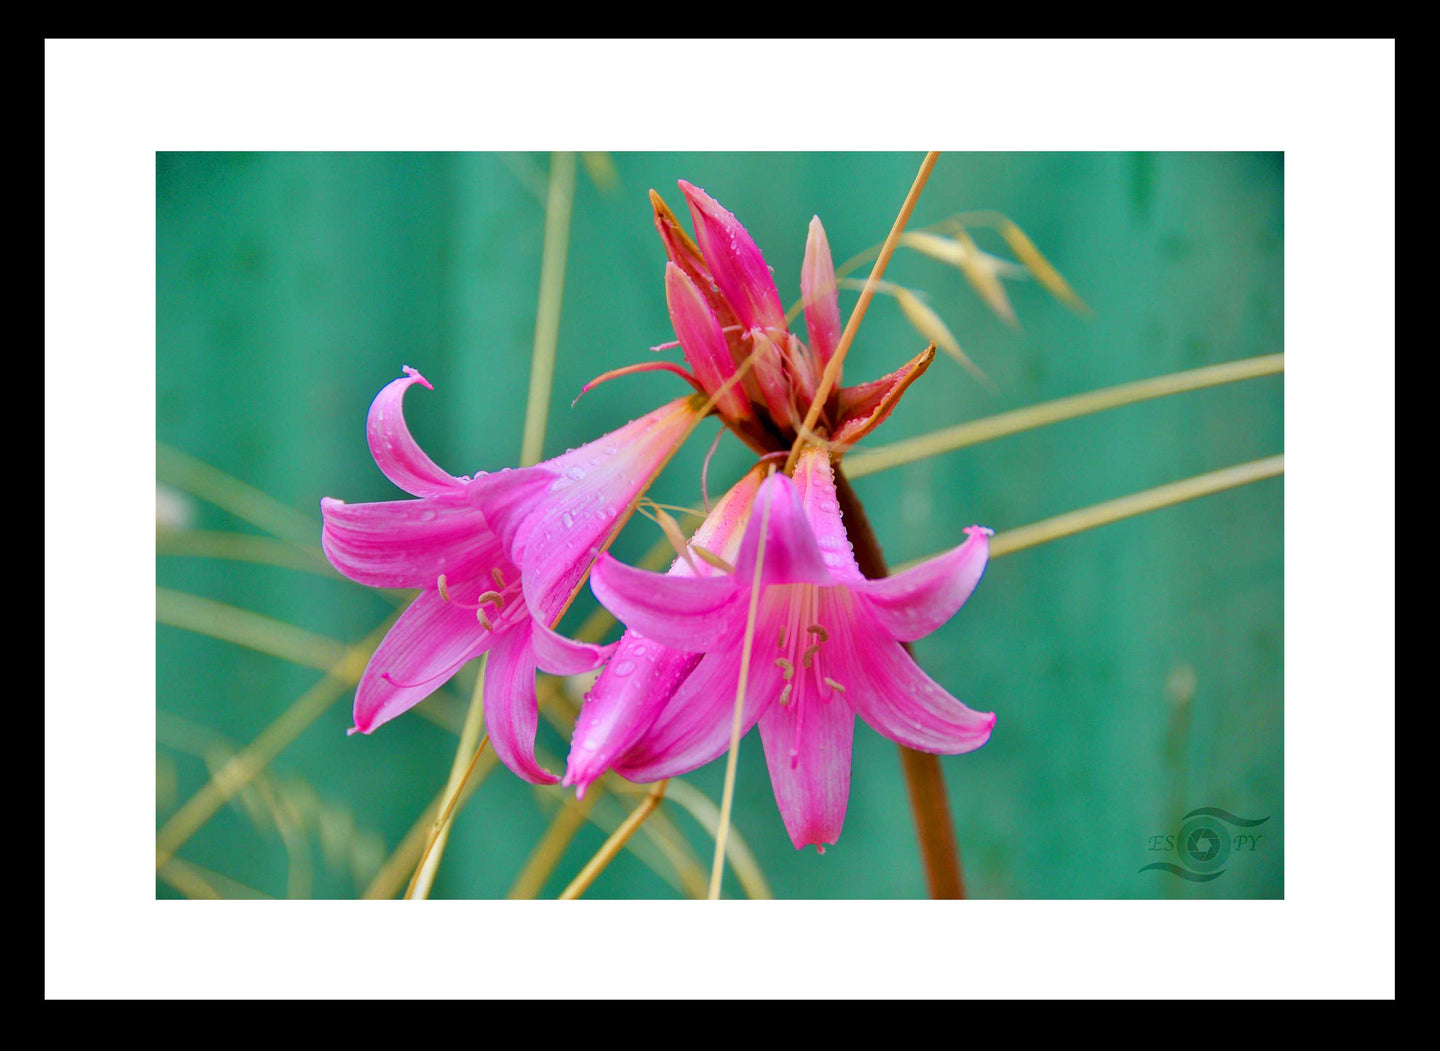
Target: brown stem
923	775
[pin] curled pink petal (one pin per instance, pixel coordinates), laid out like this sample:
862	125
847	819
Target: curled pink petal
912	604
819	294
395	450
735	262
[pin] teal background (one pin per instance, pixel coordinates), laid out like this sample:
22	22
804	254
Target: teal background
1136	669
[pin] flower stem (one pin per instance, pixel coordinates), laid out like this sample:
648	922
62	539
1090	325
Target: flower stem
881	458
923	776
581	883
532	443
472	743
717	869
242	768
542	861
1143	502
547	312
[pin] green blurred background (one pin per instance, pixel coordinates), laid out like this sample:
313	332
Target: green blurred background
1136	669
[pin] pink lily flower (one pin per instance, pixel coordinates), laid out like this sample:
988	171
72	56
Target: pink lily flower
643	675
827	647
496	559
725	307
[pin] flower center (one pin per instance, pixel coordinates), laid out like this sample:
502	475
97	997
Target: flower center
800	642
489	604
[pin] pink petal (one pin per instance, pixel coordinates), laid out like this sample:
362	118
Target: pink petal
593	486
422	649
804	374
695	726
512	713
791	553
807	748
770	376
685	613
561	656
735	261
395	451
815	482
684	254
643	675
867	405
703	341
635	687
912	604
818	292
507	497
405	543
887	688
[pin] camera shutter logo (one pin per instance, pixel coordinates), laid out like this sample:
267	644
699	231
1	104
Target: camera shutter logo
1204	844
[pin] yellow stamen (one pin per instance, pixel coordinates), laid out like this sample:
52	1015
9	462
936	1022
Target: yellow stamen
816	629
494	598
785	694
809	654
780	642
498	577
834	685
786	668
484	620
444	591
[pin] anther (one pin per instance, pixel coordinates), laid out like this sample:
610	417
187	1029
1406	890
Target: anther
785	694
816	629
484	620
498	577
809	655
834	685
713	559
494	598
786	668
780	642
444	591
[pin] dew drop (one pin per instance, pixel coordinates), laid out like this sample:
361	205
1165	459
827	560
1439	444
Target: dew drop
568	519
624	668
